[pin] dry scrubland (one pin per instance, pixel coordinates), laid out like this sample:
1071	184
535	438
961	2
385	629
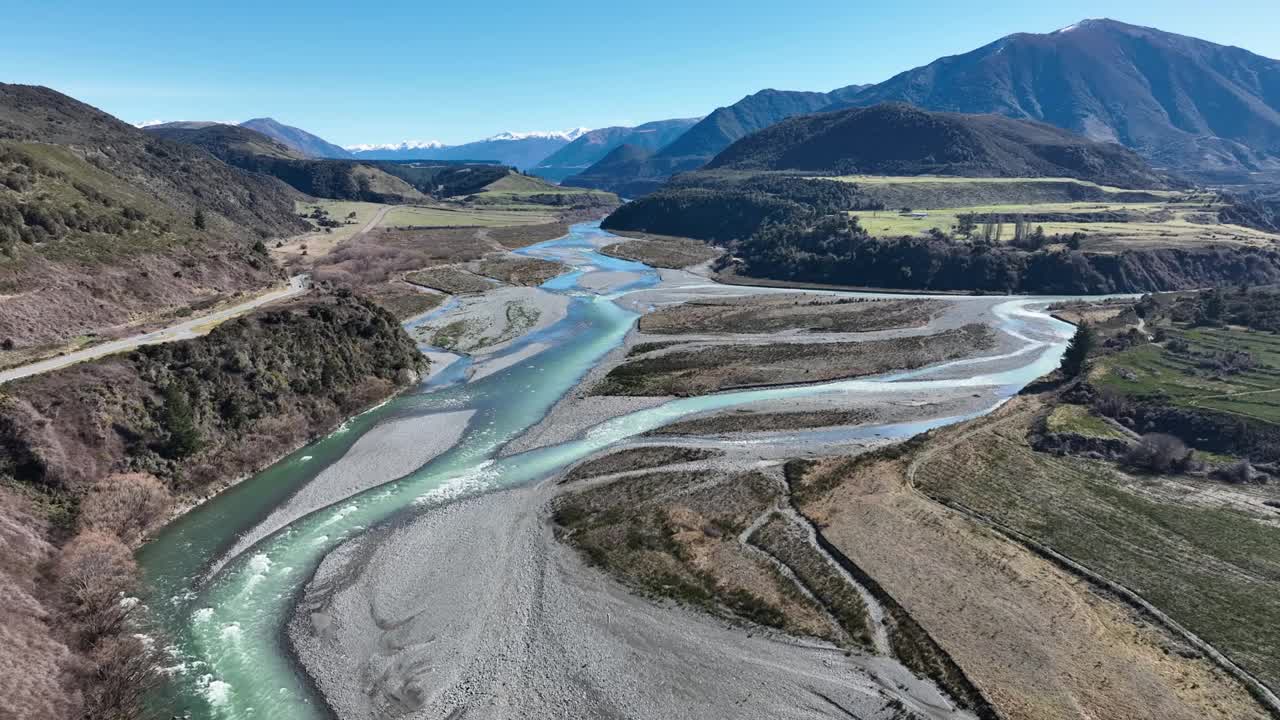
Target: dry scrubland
661	251
728	543
705	346
777	313
1035	640
721	367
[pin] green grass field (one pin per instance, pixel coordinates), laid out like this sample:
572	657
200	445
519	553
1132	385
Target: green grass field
1151	370
1149	218
339	210
1078	420
460	216
954	180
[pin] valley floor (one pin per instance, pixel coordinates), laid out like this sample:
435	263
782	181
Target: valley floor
824	591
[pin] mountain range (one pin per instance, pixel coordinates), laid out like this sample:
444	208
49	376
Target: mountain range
518	149
1201	110
1183	103
641	169
594	145
300	140
900	139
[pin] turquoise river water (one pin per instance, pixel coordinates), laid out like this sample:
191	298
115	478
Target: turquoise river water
226	631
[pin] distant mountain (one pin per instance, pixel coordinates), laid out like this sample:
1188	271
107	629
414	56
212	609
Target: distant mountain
224	141
592	146
300	140
707	137
102	223
900	139
627	170
178	124
1183	103
319	177
521	150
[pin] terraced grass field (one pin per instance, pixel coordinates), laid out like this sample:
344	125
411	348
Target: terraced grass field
1181	378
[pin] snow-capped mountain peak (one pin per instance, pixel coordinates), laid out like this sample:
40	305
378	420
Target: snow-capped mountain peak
567	135
406	145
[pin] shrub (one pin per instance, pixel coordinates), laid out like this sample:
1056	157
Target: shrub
126	505
1237	473
1113	404
1159	453
179	419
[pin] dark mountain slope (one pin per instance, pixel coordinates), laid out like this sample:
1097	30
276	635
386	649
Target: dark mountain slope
589	149
898	139
1181	102
708	137
98	221
301	140
627	170
326	178
754	112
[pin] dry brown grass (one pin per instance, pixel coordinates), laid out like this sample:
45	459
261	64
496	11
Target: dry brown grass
402	300
521	236
639	458
746	421
520	270
451	280
1038	642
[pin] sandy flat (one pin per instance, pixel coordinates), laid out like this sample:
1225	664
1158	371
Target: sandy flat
387	452
473	609
487	318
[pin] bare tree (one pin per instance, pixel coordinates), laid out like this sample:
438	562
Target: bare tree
121	672
94	573
126	505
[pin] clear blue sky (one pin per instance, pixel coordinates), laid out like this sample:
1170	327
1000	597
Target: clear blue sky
457	71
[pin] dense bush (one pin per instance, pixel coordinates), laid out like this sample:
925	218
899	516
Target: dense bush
836	249
703	214
1159	453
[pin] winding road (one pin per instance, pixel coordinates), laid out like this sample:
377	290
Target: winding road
185	330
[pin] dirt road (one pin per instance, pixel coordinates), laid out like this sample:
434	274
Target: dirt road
185	330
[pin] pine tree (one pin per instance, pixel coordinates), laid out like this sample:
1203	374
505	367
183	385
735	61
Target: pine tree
180	421
1076	359
198	220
